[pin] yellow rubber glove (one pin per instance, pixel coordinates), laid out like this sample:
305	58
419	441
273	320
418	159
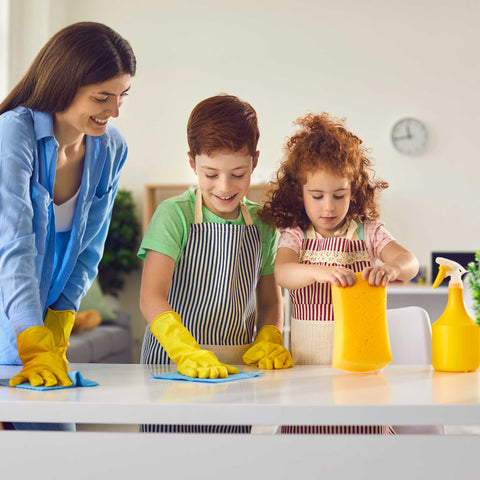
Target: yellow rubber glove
60	322
267	351
182	348
42	364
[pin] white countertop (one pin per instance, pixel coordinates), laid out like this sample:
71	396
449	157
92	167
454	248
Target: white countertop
398	395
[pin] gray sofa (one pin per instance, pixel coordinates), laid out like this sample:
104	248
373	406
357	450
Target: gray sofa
110	342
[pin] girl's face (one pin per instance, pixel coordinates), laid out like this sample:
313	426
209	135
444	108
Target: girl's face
224	179
326	198
91	108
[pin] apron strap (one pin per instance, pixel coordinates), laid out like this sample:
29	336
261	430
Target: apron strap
199	214
198	207
311	235
246	214
352	231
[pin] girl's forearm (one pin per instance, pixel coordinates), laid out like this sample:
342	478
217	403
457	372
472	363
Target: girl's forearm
293	275
407	264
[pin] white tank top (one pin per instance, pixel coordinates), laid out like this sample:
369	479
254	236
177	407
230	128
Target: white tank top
64	213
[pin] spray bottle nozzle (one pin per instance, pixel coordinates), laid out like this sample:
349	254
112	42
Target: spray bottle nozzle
448	268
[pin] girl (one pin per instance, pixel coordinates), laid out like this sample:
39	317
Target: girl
325	202
60	163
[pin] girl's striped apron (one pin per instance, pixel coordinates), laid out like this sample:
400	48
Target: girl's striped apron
312	328
213	290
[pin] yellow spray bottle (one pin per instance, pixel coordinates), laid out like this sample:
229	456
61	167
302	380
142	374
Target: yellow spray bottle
455	335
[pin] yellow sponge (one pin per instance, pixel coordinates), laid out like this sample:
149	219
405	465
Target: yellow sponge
361	333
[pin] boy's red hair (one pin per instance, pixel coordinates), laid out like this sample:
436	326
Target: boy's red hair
322	143
222	122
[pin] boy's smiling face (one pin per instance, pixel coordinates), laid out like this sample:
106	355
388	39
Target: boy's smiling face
224	179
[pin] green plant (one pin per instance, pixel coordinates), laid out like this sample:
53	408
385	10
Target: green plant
120	254
474	282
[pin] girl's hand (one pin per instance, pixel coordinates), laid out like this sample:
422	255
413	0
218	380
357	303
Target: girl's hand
339	276
380	274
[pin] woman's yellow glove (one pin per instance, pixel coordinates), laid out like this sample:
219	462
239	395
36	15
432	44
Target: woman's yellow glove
42	364
182	348
60	322
267	351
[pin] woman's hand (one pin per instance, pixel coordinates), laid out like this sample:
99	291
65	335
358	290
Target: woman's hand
380	274
338	276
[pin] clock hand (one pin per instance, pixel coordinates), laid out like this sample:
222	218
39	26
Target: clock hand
409	135
406	137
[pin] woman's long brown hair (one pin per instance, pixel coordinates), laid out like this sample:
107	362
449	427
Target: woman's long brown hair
80	54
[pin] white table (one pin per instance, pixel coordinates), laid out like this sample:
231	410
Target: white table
304	395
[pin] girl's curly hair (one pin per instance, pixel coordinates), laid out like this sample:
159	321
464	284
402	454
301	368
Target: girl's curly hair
322	142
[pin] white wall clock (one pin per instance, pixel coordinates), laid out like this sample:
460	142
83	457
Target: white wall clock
409	136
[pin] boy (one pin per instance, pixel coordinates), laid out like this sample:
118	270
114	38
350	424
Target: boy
208	272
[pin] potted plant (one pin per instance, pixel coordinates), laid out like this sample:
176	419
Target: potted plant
120	254
474	282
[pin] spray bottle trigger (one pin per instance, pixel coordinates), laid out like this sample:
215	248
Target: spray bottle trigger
442	273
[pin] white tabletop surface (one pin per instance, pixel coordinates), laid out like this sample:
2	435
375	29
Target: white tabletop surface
407	395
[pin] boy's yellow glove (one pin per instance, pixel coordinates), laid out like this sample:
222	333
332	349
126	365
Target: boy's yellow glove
60	322
42	364
267	351
182	348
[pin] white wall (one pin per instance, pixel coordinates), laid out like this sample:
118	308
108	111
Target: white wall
369	61
4	44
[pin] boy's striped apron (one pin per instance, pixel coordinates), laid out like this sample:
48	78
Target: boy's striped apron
312	328
213	290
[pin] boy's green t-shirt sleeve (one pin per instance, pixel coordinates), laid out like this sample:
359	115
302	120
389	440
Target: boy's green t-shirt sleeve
270	251
165	232
269	236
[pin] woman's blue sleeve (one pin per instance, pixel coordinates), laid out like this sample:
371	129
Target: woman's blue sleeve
19	288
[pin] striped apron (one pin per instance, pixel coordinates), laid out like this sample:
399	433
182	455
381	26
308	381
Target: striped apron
312	327
213	290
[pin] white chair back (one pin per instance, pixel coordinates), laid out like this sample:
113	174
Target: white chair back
410	335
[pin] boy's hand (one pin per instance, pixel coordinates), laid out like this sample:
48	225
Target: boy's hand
339	276
204	364
183	349
267	351
380	274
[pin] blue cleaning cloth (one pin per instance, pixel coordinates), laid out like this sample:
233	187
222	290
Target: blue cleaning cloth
230	378
75	377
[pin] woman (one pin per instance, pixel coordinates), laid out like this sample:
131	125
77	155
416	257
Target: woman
60	163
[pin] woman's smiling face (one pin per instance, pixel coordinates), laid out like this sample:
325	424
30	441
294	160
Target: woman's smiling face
92	107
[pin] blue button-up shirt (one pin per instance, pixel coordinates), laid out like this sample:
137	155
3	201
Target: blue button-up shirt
28	158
